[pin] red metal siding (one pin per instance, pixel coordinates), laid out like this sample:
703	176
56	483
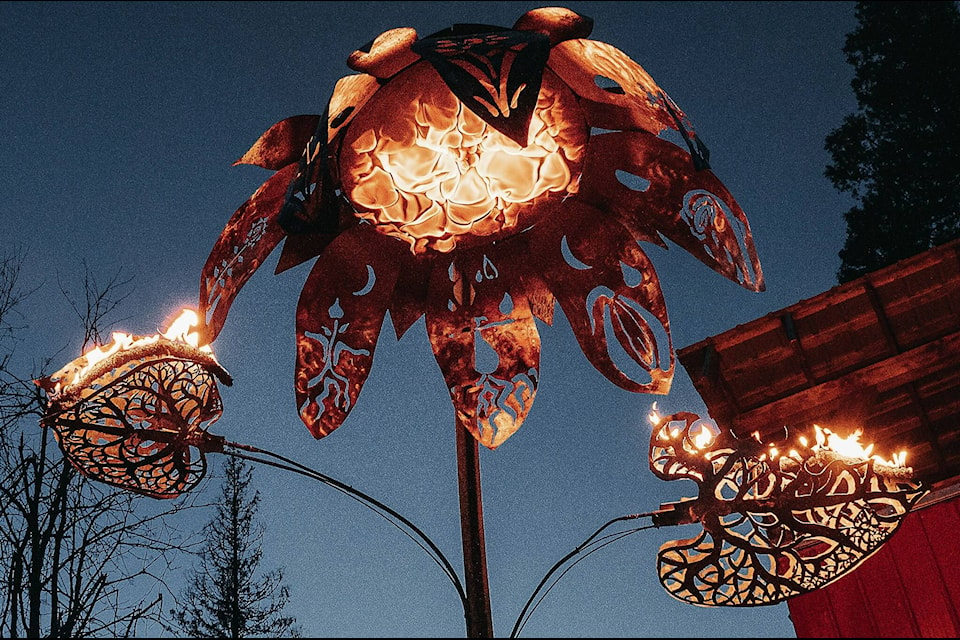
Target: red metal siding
909	589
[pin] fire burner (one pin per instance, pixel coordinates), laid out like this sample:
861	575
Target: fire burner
778	520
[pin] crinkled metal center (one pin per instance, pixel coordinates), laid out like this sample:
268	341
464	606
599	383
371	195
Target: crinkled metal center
420	166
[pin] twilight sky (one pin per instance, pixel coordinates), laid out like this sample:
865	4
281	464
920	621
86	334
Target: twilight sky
120	125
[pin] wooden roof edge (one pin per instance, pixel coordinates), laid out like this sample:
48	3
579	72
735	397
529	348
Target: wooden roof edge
881	376
941	491
852	288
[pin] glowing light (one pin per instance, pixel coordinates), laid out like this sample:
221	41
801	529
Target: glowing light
185	329
703	440
435	174
850	447
182	330
654	415
703	433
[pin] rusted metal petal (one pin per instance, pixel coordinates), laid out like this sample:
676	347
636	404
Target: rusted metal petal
541	300
615	91
485	341
299	248
610	294
777	521
556	23
312	204
410	295
387	54
649	184
282	143
248	238
349	94
339	317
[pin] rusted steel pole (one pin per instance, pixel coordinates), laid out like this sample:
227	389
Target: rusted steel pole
478	618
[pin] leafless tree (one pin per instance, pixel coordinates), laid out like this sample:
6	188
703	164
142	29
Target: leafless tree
77	558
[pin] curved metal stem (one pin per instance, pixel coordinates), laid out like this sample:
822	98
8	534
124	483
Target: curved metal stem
394	518
591	541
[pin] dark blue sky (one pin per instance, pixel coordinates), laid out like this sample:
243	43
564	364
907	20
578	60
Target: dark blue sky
120	125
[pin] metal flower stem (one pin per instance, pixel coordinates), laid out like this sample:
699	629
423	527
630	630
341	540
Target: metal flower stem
477	606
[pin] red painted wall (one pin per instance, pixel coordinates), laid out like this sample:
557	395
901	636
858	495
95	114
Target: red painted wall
910	588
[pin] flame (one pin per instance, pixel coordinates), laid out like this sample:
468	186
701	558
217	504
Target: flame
703	433
186	328
850	447
654	416
183	329
421	166
703	440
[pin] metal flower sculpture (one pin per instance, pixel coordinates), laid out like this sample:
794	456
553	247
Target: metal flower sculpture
776	522
462	177
134	413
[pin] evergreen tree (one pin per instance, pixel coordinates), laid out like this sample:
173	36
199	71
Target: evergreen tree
225	597
899	154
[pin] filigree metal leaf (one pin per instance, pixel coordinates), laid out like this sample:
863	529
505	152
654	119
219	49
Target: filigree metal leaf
141	425
774	526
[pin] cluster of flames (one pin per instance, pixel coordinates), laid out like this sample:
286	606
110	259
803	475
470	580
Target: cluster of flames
184	330
826	442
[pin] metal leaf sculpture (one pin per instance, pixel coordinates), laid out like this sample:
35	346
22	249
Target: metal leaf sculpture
134	413
774	526
459	177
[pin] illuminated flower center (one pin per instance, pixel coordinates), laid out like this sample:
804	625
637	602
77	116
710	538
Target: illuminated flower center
420	166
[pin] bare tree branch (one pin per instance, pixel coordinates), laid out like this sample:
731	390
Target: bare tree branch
78	559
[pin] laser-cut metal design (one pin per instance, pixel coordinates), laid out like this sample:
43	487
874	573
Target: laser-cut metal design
470	152
137	419
777	521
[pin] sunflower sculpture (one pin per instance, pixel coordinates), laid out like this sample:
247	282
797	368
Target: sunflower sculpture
477	177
